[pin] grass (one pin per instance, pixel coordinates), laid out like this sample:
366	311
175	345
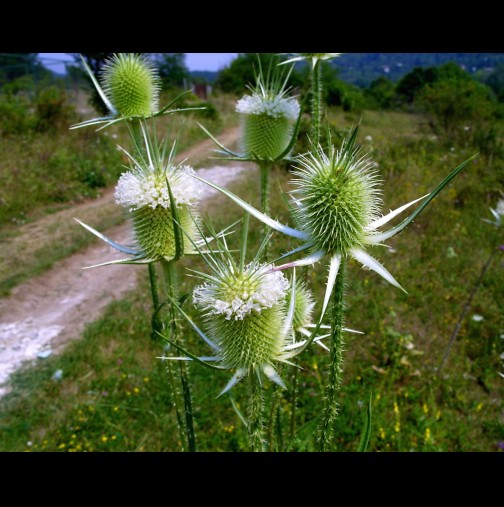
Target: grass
113	393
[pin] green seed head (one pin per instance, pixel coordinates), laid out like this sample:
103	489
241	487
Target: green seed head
245	314
337	198
131	83
144	191
265	137
267	116
154	231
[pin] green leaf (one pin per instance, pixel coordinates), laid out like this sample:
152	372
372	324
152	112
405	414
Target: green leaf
177	230
366	430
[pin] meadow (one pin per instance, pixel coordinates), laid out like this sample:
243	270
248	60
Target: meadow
112	392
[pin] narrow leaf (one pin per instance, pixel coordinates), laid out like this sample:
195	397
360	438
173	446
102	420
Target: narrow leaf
366	431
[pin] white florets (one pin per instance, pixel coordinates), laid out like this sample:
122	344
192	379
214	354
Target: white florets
278	107
139	188
265	289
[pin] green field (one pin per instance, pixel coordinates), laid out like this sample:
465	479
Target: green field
114	395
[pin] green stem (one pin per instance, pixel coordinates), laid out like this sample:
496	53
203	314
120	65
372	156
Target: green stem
275	399
294	383
336	356
316	102
255	413
173	332
157	324
265	169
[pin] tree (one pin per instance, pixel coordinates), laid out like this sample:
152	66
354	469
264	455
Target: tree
172	69
408	87
15	65
382	91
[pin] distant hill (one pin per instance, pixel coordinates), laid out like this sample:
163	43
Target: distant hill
363	68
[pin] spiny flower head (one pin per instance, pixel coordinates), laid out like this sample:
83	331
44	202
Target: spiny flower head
144	191
337	196
267	117
245	314
131	83
236	296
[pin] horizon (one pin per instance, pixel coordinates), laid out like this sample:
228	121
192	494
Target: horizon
211	62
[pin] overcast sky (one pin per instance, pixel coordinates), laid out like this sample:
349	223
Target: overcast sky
195	61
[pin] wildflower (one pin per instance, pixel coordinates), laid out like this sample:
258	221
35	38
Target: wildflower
129	88
269	119
249	312
477	318
145	191
336	203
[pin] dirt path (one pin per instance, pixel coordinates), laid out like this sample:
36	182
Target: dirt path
44	313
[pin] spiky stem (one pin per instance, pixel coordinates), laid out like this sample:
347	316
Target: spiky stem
173	326
265	169
316	101
274	415
336	366
294	382
255	413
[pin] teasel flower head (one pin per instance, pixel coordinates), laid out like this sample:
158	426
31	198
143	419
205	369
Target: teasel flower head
268	115
336	205
161	199
130	86
249	312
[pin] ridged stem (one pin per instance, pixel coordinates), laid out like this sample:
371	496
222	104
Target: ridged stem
334	376
274	415
265	169
174	328
316	102
294	389
255	413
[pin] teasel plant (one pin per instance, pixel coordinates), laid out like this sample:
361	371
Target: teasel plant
270	118
160	197
255	320
336	204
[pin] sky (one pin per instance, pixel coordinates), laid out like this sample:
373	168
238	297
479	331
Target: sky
194	61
